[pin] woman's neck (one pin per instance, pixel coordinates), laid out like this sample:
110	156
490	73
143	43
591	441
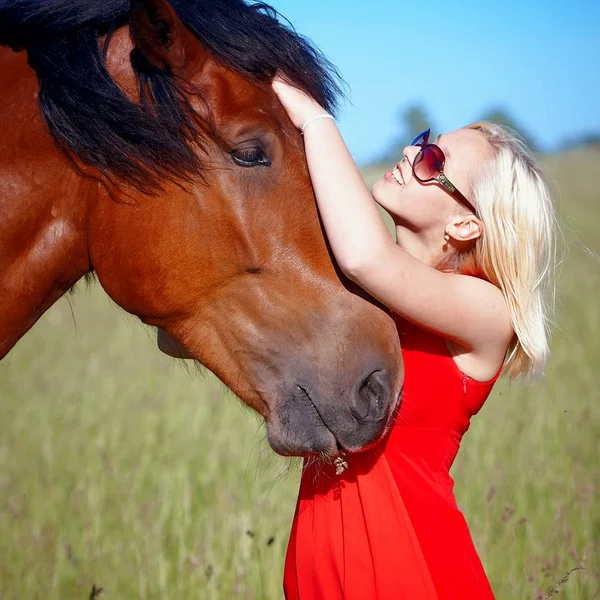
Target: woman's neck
422	245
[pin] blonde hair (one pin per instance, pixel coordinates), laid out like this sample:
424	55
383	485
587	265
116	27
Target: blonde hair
517	251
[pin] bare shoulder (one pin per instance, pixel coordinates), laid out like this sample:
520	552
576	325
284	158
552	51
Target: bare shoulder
482	350
488	306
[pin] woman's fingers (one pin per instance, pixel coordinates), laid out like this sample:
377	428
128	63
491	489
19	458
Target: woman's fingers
299	105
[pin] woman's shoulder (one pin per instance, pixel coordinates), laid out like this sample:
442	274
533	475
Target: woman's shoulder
483	357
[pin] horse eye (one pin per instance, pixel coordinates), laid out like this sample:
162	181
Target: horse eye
250	157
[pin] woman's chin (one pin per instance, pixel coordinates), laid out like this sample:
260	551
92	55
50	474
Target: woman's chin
378	184
378	192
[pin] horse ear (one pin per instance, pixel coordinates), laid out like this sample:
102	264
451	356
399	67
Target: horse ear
157	31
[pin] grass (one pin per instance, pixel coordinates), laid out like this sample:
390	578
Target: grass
123	472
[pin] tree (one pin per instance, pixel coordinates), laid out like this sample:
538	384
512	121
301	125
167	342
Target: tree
588	140
501	117
413	120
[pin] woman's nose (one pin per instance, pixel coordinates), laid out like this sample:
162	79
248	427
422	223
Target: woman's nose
411	151
409	154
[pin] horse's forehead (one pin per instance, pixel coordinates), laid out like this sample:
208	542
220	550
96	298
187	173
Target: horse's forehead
232	93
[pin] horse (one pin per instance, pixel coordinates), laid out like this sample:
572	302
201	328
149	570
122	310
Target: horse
142	144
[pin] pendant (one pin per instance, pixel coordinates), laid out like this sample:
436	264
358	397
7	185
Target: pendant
340	465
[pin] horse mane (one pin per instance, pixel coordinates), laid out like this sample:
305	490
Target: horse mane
161	138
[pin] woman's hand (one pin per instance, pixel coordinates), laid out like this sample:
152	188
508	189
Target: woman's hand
299	106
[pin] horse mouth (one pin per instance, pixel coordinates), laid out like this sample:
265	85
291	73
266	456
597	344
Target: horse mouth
301	429
339	448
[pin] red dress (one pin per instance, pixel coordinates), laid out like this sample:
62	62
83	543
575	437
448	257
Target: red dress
388	528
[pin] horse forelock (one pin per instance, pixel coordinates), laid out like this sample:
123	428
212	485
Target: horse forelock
90	117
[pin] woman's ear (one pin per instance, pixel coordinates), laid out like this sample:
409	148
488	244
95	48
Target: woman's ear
464	228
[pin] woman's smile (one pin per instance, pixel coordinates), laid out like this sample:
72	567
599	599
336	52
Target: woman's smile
398	175
395	175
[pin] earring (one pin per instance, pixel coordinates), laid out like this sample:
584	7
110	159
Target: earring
446	237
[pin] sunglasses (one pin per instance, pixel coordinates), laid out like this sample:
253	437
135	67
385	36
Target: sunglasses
429	166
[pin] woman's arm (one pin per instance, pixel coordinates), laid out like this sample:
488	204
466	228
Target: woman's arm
355	228
465	309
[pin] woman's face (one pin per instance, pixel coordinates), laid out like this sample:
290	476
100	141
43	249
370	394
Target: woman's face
425	205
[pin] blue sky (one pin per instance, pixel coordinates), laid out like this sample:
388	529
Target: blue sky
538	60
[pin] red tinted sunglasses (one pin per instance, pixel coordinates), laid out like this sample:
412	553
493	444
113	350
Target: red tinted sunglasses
429	166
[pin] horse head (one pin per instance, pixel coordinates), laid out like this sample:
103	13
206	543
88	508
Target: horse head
203	221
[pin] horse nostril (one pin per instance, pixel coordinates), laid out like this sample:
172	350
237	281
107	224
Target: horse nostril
369	403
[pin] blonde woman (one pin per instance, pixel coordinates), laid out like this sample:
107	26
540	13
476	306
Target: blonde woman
465	283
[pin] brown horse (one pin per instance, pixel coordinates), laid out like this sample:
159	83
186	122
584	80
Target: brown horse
144	143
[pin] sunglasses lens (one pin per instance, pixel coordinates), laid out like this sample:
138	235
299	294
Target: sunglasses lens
421	139
429	163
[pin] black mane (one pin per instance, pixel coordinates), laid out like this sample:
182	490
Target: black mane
90	117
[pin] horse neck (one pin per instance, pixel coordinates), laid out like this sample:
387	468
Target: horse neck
44	200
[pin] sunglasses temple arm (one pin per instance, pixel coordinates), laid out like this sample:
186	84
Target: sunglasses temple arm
464	201
443	180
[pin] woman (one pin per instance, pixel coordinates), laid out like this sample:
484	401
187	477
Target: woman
465	283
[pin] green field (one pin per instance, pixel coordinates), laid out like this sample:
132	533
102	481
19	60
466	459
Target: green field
121	469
